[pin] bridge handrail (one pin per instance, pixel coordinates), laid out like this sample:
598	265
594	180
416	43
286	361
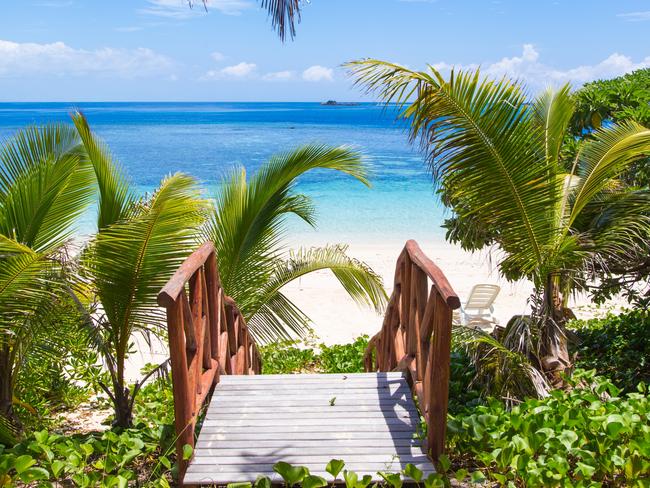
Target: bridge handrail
208	337
416	337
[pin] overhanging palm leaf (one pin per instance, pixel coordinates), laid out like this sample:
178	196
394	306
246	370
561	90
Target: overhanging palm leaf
285	14
611	151
482	149
115	196
271	309
247	227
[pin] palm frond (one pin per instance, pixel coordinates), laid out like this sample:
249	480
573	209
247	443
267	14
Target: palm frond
285	14
607	155
501	371
553	110
115	197
480	139
248	222
44	186
132	259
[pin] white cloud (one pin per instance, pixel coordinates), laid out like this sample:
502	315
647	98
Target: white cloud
241	70
318	73
529	68
635	16
59	59
217	56
180	9
279	76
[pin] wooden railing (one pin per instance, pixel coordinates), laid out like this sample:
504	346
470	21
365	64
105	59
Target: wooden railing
416	337
208	337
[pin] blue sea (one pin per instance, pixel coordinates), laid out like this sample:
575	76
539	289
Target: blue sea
207	140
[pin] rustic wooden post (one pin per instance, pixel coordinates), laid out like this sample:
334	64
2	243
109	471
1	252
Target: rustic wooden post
416	336
439	393
201	330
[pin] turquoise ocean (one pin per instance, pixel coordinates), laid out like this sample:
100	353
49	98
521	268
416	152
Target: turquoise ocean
207	140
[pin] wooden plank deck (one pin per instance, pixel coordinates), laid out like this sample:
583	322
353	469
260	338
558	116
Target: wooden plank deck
369	420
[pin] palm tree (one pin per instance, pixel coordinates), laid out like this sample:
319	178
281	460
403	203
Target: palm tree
496	158
247	225
45	184
139	244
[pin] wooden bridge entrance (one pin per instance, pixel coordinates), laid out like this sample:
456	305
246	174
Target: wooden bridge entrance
252	421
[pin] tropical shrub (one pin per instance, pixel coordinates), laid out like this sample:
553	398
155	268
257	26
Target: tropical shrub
49	378
497	160
579	437
617	347
294	357
618	99
45	184
344	358
142	455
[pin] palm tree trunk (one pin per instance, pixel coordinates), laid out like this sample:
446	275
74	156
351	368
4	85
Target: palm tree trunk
6	383
554	347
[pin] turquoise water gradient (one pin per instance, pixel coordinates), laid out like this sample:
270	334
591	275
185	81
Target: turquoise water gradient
209	139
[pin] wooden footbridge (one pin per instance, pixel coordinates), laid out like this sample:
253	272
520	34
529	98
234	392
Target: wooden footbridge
248	421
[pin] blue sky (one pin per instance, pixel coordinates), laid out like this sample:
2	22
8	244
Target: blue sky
77	50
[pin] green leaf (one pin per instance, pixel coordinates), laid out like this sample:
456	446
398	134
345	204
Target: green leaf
187	452
413	472
334	467
568	438
393	479
240	485
444	463
23	462
290	474
263	482
312	481
34	474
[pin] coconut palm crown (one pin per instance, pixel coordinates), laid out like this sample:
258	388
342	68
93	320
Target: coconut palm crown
496	158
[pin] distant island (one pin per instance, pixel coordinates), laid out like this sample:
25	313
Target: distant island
334	102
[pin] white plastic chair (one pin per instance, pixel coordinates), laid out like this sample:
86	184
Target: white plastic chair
478	309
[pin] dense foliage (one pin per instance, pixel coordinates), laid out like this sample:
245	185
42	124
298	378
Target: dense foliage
143	454
571	438
618	99
294	357
617	347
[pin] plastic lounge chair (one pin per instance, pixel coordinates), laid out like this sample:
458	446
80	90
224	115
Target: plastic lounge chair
478	309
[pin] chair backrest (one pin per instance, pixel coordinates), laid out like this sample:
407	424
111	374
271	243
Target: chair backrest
482	296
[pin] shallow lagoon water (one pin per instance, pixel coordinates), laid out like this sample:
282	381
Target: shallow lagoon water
208	140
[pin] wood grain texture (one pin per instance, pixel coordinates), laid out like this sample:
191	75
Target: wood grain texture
372	425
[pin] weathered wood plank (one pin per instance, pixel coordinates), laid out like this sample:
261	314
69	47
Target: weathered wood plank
331	451
394	466
289	429
314	377
310	443
383	435
387	407
270	417
300	459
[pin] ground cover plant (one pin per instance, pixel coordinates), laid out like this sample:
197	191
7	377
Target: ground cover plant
617	347
589	435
